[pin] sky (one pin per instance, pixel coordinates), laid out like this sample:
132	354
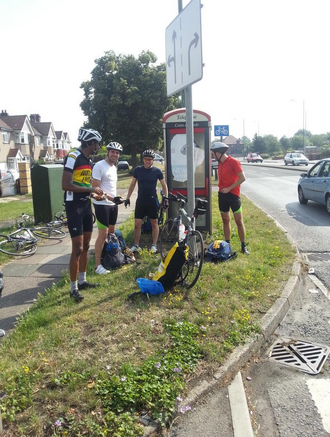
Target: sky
265	61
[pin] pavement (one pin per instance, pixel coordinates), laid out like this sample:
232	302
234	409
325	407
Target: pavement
25	278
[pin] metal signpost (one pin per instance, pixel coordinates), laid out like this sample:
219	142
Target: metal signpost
184	66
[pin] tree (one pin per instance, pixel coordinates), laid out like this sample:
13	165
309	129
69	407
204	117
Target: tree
125	100
259	144
285	143
272	144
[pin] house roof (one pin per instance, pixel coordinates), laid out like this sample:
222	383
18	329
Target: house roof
4	126
36	132
14	121
13	153
44	153
43	127
232	140
59	134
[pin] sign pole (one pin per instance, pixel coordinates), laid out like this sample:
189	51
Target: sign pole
190	151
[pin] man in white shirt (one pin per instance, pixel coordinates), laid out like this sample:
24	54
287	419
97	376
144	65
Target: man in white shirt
106	207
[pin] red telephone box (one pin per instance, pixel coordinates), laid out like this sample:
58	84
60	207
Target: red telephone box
174	124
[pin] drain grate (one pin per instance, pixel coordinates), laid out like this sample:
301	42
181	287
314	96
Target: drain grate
304	356
321	256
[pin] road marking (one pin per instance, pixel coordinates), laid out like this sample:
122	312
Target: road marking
319	284
239	408
320	391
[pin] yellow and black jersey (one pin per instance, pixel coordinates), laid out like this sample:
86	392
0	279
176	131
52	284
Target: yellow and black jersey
81	169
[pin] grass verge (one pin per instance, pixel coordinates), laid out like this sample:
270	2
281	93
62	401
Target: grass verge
91	369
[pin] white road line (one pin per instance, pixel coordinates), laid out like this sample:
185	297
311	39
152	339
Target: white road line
319	284
320	391
239	408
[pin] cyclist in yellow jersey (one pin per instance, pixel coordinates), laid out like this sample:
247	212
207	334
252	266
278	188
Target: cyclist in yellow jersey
76	182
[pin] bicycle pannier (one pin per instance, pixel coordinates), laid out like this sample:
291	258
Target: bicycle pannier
169	269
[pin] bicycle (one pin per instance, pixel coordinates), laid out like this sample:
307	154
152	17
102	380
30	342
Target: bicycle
49	231
19	243
171	233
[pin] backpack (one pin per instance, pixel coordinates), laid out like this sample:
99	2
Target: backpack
169	269
112	256
121	239
219	251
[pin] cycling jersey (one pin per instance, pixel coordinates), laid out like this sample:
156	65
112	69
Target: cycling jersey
147	180
228	174
81	169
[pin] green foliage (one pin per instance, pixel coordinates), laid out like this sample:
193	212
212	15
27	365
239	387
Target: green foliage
126	99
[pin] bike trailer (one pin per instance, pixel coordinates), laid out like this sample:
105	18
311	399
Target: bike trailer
169	269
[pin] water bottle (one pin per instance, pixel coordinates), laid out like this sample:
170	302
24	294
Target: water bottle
182	231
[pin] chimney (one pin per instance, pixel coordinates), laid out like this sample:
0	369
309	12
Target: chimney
4	113
35	118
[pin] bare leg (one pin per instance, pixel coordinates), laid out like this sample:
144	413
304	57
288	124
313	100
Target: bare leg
226	224
99	244
154	230
137	231
238	216
77	249
84	255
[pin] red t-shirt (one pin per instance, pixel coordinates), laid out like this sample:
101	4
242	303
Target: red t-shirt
228	174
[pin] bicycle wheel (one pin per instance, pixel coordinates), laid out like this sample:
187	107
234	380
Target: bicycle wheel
192	267
17	245
61	217
49	232
168	237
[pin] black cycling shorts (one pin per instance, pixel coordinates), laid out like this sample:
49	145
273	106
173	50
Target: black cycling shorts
106	215
229	201
146	207
80	217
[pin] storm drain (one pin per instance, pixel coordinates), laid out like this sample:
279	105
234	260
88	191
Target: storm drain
321	256
304	356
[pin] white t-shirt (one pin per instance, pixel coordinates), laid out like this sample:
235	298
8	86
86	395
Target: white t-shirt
107	174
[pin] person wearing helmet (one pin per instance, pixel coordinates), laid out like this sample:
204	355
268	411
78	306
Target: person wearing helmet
231	176
104	175
147	178
76	183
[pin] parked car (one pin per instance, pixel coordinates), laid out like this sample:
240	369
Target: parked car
295	158
158	158
123	165
254	157
315	184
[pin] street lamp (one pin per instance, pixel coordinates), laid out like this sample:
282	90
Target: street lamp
304	125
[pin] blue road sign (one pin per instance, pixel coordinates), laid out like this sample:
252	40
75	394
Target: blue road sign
221	130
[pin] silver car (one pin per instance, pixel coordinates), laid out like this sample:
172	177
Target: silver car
315	184
295	158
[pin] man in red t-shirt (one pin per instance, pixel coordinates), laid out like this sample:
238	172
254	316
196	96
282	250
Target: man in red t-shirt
231	176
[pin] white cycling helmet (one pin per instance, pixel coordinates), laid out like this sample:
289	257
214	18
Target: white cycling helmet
115	146
89	135
220	147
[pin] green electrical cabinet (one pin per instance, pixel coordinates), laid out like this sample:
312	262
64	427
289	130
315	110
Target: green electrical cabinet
47	191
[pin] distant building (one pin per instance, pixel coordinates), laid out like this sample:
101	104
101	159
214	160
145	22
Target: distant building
236	146
24	138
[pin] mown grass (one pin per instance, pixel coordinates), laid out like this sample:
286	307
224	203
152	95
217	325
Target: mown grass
92	368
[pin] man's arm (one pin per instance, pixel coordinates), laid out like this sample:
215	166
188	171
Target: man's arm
164	187
239	181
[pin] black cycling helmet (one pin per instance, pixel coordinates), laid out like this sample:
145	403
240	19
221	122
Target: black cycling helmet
87	135
220	147
115	146
148	154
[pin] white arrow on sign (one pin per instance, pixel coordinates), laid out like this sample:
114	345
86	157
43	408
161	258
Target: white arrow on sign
183	40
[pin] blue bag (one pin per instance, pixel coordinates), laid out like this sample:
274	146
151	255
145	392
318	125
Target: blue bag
147	286
219	251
